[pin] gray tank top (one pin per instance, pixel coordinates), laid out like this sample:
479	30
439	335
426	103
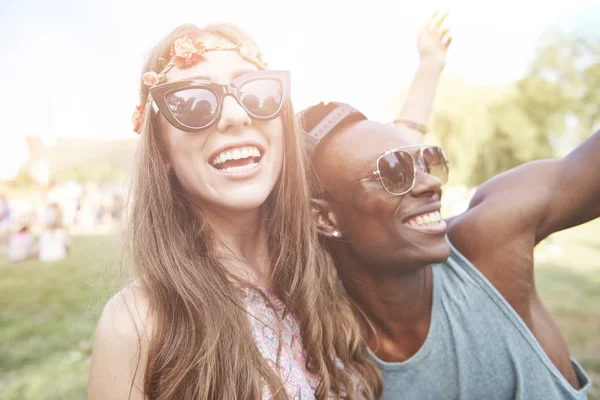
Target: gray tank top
477	348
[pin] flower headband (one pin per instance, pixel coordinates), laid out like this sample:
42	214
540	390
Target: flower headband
186	52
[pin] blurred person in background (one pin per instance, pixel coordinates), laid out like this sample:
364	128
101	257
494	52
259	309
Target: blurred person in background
117	208
54	240
88	208
22	244
5	223
52	214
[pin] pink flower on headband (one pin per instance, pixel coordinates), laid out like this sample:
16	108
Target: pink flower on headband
137	117
150	79
186	51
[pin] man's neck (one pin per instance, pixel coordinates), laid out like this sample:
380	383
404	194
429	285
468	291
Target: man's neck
397	303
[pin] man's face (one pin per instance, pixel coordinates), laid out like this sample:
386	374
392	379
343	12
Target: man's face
379	229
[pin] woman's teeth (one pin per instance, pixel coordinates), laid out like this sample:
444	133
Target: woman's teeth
237	160
243	168
432	218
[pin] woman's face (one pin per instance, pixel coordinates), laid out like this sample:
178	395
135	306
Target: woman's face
235	163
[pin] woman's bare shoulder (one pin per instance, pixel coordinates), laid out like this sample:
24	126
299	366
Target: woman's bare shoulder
127	313
121	345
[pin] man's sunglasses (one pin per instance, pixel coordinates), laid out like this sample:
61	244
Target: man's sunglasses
194	105
397	168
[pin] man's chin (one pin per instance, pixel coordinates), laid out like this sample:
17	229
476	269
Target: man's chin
444	252
437	253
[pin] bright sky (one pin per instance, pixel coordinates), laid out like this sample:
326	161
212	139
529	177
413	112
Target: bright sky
72	68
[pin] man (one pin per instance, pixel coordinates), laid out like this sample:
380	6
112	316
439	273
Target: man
451	306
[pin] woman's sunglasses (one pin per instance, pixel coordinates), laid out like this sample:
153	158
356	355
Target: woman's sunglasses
397	168
194	105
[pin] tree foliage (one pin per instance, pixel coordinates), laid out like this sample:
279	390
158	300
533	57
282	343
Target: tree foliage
489	129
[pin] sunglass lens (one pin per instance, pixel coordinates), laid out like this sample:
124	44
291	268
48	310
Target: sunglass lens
195	107
396	171
262	97
436	163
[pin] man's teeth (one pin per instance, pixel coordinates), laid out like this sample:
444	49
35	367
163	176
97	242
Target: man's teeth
235	154
425	219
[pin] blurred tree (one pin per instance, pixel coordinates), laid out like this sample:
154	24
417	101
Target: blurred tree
461	123
488	129
571	63
23	179
92	173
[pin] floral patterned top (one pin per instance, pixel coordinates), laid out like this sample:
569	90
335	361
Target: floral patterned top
264	313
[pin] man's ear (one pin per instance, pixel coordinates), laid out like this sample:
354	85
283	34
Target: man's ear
324	218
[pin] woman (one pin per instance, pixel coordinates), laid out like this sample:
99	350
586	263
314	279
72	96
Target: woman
234	298
54	240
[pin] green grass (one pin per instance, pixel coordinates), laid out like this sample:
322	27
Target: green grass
48	312
568	280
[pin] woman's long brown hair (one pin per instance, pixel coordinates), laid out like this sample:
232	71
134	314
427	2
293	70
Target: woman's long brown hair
202	345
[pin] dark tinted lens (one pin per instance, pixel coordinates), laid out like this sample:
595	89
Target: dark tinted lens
435	162
396	171
262	97
195	107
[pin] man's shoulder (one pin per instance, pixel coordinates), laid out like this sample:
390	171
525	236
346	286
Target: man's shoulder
502	254
486	233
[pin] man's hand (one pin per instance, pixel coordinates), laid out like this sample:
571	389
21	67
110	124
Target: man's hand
434	40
